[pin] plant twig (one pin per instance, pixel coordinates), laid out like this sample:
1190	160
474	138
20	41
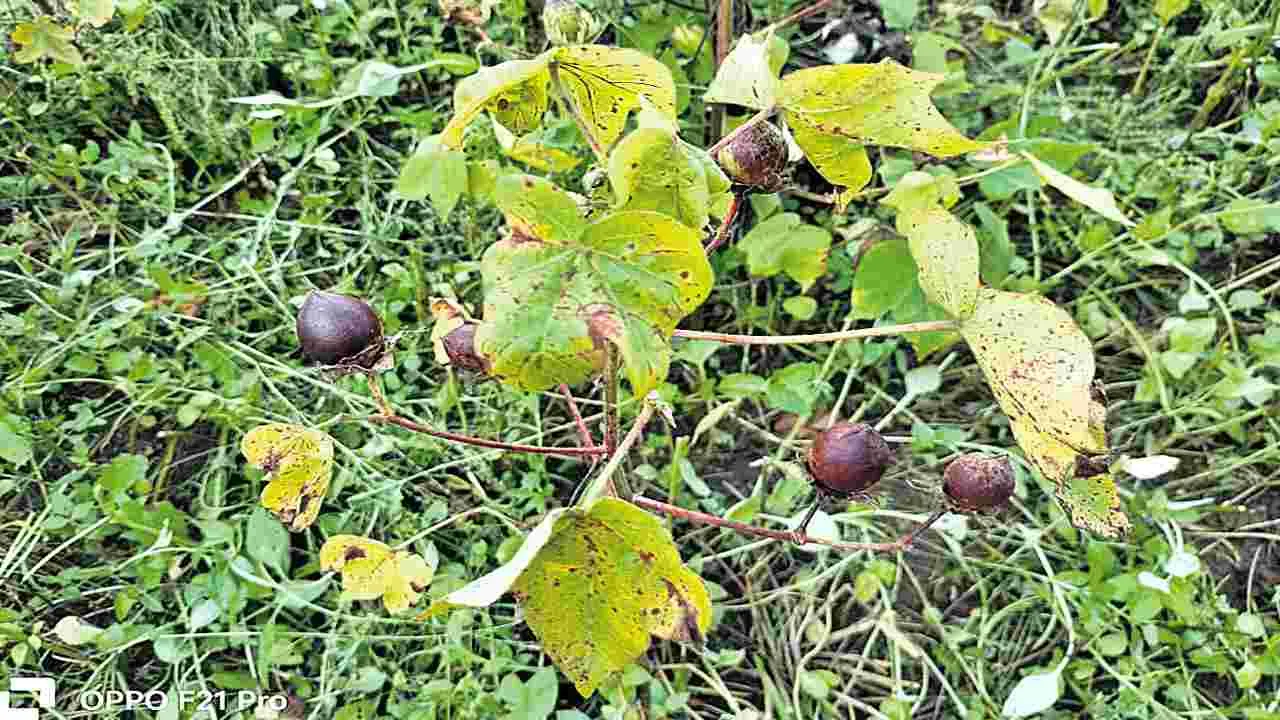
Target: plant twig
602	484
407	424
722	234
611	421
928	326
790	536
799	15
584	433
761	116
375	389
576	112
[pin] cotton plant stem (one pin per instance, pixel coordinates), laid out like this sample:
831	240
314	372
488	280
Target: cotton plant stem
611	421
584	433
388	416
928	326
568	101
602	484
408	424
790	536
722	234
761	116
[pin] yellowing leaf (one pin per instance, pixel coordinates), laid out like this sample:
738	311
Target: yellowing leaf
843	162
607	83
887	282
1054	16
45	38
785	243
532	151
1094	505
558	288
872	104
372	570
299	465
96	12
746	78
944	248
605	581
1099	200
1037	360
515	93
653	169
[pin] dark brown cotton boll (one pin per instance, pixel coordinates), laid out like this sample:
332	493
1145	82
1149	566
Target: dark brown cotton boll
848	459
460	346
338	329
974	482
755	157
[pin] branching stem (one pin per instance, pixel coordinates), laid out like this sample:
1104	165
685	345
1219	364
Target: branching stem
602	484
584	433
783	535
928	326
388	416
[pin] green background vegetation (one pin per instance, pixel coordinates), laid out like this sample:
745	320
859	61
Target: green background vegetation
155	241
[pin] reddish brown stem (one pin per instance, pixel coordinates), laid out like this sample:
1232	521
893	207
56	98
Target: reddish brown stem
612	422
408	424
792	536
584	433
722	234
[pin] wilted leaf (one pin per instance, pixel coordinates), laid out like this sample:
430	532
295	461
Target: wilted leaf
1151	466
485	591
606	580
607	83
944	248
45	38
515	93
74	631
448	316
653	169
872	104
1055	17
434	171
785	243
1098	200
746	77
299	464
558	287
372	570
1034	693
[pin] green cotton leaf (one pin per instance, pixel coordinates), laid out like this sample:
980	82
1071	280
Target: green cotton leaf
653	169
516	93
873	104
607	83
1098	200
746	77
607	580
45	38
434	171
944	248
558	287
884	280
785	243
839	160
1168	10
995	249
1244	216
